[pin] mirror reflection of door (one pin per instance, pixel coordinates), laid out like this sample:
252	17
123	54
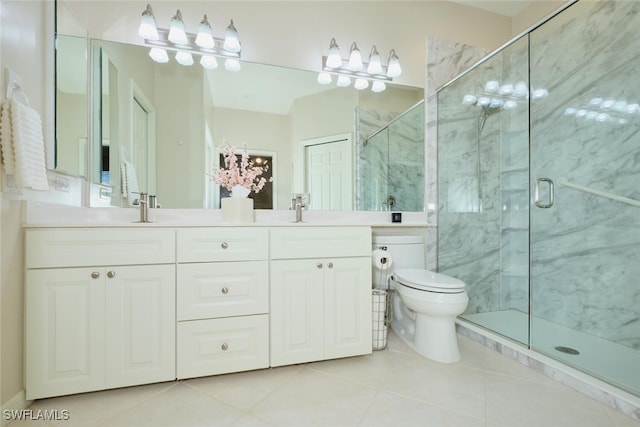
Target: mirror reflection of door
143	141
328	163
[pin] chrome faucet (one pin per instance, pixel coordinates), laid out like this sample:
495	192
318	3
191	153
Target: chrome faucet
298	205
144	201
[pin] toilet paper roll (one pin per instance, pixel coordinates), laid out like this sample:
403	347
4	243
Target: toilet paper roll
381	259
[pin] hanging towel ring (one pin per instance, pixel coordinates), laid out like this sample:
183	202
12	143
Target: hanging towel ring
16	93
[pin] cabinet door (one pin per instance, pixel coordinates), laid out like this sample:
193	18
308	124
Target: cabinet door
140	324
296	312
65	340
347	307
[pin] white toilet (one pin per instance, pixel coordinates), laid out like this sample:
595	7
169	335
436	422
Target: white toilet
424	314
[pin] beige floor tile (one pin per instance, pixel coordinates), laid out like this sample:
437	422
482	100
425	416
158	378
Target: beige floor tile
397	411
180	406
312	398
245	389
91	409
522	403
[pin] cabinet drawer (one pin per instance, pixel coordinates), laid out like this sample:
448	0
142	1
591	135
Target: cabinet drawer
223	244
320	242
217	346
98	246
223	289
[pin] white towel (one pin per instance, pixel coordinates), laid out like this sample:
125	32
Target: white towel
6	139
28	147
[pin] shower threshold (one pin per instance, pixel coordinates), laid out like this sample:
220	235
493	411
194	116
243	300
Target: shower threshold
606	360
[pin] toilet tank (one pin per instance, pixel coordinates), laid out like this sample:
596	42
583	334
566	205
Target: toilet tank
405	251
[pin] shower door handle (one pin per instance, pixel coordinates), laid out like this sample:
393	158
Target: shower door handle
537	193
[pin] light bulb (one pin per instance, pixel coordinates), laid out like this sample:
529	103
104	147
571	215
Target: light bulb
375	64
378	86
521	90
510	104
231	40
361	84
506	89
176	32
184	58
491	86
232	64
393	68
343	81
204	38
355	59
159	55
208	61
333	58
148	29
483	101
324	78
469	99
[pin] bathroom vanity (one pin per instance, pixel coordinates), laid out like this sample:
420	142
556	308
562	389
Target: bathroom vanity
109	307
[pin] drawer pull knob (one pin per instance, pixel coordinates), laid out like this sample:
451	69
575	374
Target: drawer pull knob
224	245
95	275
224	346
319	265
225	290
330	265
111	274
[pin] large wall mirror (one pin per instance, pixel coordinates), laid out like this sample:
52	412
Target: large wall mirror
157	128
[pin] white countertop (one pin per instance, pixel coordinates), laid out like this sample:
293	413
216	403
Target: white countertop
37	214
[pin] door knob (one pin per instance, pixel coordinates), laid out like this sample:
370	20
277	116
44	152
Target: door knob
224	245
225	290
95	275
330	265
319	265
111	274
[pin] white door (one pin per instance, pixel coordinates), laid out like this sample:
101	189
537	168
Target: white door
140	148
297	314
329	165
140	324
65	320
347	304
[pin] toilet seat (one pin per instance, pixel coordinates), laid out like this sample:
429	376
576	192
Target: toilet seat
425	280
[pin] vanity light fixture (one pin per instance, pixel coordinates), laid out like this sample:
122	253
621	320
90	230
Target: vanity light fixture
186	45
507	96
373	73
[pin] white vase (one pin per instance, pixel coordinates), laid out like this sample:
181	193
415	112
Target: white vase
239	191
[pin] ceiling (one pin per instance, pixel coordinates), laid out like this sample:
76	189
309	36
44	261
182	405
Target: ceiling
509	8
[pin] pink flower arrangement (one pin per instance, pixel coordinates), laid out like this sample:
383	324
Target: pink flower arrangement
245	174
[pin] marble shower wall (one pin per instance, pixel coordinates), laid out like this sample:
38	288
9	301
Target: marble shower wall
445	61
390	153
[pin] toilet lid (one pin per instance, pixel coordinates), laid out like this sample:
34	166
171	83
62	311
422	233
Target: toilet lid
428	280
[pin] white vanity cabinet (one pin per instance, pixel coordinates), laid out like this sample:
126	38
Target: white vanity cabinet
100	309
320	293
222	300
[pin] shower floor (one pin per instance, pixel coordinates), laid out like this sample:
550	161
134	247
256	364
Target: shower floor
611	362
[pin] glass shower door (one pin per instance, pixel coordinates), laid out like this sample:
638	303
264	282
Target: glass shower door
585	169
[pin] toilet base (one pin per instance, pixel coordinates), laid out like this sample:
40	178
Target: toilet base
436	339
431	336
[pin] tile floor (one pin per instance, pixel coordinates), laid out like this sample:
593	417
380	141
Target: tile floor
389	388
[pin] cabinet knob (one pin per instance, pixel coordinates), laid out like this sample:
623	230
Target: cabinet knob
330	265
225	290
224	346
95	275
224	245
319	265
111	274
